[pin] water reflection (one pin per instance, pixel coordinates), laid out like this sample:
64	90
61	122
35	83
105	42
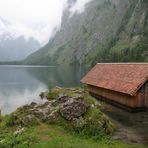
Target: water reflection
132	127
13	99
20	85
67	76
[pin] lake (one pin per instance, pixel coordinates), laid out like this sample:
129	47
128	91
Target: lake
20	85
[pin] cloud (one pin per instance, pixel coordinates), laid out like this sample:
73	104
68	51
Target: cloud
32	10
36	18
41	32
79	7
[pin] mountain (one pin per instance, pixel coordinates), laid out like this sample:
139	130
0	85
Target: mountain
12	49
14	46
106	31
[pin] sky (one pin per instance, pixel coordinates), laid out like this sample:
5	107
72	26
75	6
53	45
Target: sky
35	18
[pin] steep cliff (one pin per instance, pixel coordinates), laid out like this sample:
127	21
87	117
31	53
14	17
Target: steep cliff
107	31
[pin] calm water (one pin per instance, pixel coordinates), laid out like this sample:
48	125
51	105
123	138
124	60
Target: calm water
20	85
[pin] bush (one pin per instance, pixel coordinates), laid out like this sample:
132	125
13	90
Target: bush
10	120
9	140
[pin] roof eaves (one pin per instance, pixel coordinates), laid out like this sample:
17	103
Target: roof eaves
131	93
139	86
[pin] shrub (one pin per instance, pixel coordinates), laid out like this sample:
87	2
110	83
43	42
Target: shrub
9	120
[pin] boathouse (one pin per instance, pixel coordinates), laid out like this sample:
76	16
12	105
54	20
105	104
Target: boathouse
124	85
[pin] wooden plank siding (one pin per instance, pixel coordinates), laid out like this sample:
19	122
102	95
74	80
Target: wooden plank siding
144	90
137	101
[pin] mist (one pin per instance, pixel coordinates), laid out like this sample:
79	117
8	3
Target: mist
79	7
38	19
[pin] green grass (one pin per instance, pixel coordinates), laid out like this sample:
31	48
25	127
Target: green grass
53	136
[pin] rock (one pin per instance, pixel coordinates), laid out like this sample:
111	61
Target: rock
78	91
33	104
58	88
43	94
60	99
46	103
41	113
38	113
24	108
29	119
78	97
73	109
53	116
19	131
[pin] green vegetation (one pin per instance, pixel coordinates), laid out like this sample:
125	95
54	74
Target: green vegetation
53	136
123	53
94	131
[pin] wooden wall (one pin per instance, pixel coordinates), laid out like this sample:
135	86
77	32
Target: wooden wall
137	101
144	89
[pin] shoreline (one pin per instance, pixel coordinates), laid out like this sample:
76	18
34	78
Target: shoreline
37	111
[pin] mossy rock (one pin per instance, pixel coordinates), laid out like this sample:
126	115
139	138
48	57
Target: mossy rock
93	123
86	120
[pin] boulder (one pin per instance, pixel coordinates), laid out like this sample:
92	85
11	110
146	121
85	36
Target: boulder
60	99
73	109
29	120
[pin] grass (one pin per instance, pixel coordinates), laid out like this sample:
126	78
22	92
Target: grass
51	136
62	133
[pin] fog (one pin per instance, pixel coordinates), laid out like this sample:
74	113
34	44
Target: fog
79	7
35	18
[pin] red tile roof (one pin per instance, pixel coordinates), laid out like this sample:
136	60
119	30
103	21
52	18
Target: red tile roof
125	78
